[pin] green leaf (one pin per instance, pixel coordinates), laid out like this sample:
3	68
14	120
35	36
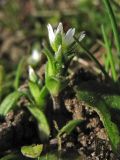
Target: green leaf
109	54
39	94
19	73
43	98
49	156
98	103
113	24
93	58
13	156
35	91
49	55
69	127
50	66
55	155
113	101
2	77
32	151
42	122
10	102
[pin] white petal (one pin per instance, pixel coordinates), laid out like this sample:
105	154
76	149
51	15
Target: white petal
82	36
69	36
59	28
50	33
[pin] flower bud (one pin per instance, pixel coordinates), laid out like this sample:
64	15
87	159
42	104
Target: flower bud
32	75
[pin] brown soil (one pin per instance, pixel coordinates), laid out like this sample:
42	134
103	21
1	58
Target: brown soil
89	139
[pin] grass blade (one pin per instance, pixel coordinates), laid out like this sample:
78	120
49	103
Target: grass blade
89	54
2	77
113	24
106	63
109	54
10	102
19	73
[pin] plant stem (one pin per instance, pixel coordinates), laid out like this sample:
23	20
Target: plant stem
89	54
56	103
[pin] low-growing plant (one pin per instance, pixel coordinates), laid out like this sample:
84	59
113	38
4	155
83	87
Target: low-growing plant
56	68
59	54
59	57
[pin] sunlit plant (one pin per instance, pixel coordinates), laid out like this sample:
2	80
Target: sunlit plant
58	38
37	89
59	55
58	60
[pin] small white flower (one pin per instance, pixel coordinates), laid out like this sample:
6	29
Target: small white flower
36	56
59	29
69	36
82	36
32	76
55	36
51	33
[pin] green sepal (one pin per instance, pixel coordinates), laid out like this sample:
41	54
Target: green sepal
55	85
57	42
59	56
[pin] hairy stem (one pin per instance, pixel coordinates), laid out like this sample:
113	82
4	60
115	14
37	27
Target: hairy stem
56	103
